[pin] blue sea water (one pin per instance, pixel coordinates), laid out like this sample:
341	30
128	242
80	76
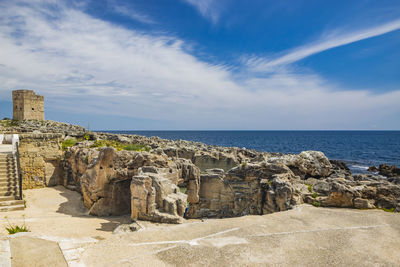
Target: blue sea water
359	149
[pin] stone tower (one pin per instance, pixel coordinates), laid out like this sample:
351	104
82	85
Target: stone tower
27	105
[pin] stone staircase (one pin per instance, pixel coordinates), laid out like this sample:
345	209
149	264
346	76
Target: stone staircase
9	186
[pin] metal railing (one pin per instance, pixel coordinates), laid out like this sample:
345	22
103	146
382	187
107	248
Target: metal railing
15	152
19	171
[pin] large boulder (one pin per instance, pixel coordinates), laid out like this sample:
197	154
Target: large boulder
216	197
362	194
105	184
389	171
306	164
249	189
156	198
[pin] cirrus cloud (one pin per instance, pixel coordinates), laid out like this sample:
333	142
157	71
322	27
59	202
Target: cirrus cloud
87	65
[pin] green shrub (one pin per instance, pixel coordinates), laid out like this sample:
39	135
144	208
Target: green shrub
87	136
183	189
107	143
309	186
244	163
13	229
9	123
119	146
136	147
315	195
316	204
389	210
68	143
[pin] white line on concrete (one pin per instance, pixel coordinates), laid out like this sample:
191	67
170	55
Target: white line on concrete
5	253
321	230
192	242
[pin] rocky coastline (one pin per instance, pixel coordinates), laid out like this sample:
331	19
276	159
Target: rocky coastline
169	181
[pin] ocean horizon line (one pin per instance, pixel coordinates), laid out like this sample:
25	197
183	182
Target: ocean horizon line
183	130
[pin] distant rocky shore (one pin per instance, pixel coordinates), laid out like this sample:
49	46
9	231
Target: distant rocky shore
166	181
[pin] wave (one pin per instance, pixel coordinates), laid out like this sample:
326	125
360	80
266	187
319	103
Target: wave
359	167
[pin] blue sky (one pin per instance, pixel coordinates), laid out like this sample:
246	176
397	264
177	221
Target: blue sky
205	64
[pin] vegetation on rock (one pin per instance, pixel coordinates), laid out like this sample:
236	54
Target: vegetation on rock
389	210
13	229
119	146
68	143
6	123
316	204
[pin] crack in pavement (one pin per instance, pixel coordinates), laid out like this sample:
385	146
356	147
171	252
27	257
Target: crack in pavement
321	230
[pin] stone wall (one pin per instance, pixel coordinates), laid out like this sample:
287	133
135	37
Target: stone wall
40	157
27	105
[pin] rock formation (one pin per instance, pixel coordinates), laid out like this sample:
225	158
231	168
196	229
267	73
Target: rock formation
146	184
170	180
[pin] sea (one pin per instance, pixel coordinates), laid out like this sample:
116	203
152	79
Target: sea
359	149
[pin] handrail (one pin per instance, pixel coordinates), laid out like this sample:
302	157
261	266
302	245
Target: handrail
19	171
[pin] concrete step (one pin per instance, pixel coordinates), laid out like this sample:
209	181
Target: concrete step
9	187
7	171
7	174
7	198
11	203
9	193
12	183
7	163
8	179
12	208
8	167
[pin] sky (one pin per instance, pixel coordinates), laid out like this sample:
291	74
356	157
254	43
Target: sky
205	64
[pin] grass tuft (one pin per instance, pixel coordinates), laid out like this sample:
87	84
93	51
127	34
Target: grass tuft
389	210
68	143
316	204
183	189
119	146
13	229
309	186
6	122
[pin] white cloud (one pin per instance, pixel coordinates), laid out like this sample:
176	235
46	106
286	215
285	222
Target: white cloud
329	42
207	8
86	65
131	13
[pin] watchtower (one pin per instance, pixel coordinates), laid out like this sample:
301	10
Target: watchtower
27	105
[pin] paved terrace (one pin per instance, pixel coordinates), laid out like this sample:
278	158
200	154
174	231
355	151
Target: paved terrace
63	234
5	148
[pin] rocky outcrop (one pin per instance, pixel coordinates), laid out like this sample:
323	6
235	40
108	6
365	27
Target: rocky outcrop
386	170
389	171
155	197
140	183
339	169
37	126
306	164
215	181
249	189
360	193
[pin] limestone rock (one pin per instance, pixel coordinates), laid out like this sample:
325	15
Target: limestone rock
306	164
155	198
389	171
250	189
